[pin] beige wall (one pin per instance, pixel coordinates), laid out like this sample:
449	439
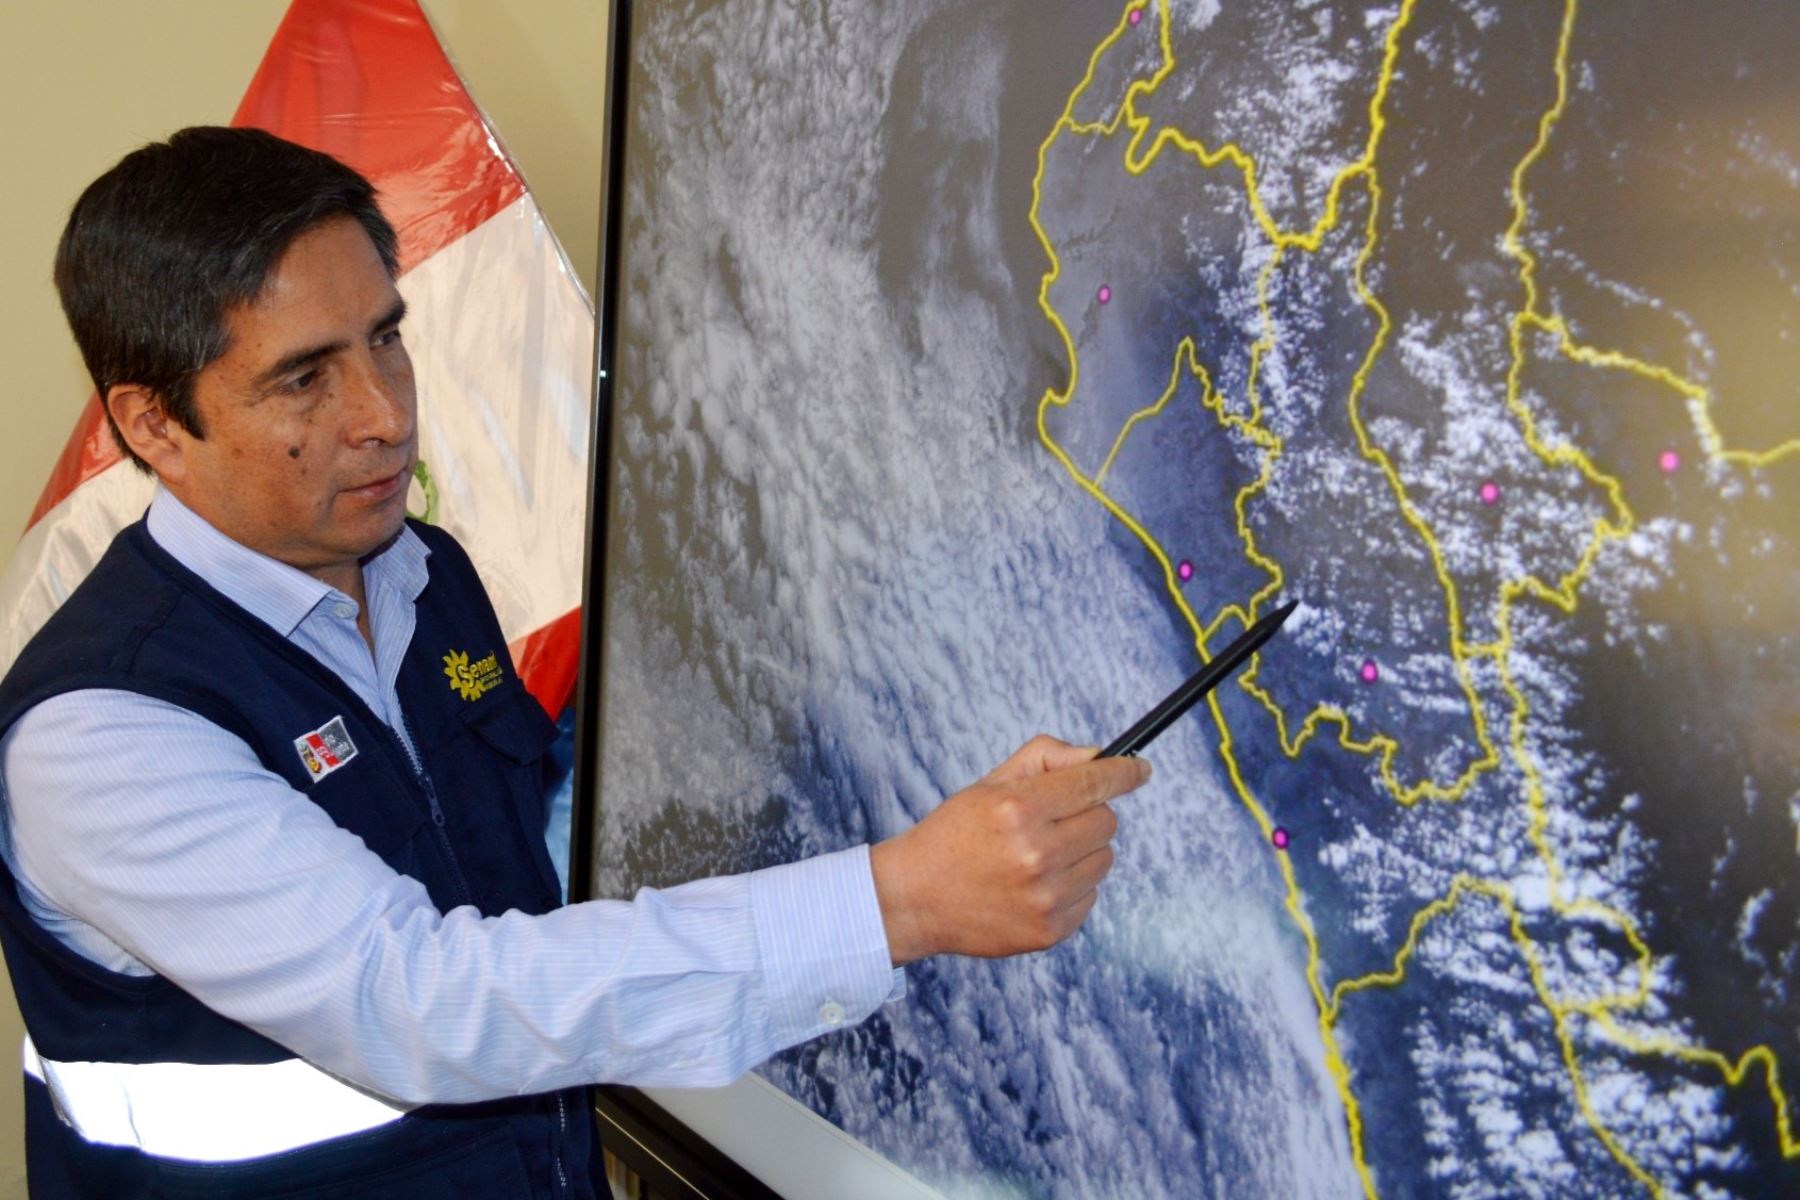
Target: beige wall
84	81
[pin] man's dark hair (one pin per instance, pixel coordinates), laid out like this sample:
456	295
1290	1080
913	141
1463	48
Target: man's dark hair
161	248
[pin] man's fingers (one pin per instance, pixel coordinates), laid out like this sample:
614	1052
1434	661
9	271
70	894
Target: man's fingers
1074	789
1086	874
1057	755
1082	884
1075	838
1042	753
1069	918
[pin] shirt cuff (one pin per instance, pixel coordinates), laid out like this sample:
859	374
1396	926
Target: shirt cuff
823	946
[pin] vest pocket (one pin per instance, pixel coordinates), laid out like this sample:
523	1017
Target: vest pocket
513	726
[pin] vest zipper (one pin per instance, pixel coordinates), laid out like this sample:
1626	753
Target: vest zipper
562	1131
332	683
423	776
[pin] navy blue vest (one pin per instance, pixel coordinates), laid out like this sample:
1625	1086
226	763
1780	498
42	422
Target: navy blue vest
469	827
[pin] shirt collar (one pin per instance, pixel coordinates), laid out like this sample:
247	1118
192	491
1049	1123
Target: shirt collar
278	595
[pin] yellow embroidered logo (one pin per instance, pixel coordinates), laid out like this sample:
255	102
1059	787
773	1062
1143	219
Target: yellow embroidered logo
472	680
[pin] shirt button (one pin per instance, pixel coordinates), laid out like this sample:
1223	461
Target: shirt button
831	1013
346	612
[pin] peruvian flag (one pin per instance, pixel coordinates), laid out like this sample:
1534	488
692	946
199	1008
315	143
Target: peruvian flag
500	332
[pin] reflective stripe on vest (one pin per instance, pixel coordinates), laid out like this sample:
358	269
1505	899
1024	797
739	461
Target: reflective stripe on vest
207	1113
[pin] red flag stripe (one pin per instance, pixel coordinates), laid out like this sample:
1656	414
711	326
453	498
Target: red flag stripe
321	749
547	660
416	134
89	451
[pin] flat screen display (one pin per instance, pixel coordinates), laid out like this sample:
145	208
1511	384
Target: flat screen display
983	368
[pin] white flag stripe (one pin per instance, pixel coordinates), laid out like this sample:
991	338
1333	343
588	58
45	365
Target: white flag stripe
58	552
502	345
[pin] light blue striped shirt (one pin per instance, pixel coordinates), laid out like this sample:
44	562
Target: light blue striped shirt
151	840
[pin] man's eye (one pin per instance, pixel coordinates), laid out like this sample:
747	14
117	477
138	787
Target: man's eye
389	337
301	383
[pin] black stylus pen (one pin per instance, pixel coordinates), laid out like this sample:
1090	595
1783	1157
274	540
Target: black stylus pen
1201	682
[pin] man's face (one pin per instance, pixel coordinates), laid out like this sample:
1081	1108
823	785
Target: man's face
310	413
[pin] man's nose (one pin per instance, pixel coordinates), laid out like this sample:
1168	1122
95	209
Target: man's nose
381	404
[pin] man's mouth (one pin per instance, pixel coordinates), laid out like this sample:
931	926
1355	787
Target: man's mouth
382	487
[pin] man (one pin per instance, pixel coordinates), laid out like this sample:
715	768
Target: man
275	900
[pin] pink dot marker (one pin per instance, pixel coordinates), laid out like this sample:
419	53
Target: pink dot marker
1669	461
1105	294
1490	492
1280	838
1136	15
1370	672
1185	571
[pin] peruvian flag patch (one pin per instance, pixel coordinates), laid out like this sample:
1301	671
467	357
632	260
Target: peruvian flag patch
326	748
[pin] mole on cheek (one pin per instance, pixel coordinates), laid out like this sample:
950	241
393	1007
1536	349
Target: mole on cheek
293	452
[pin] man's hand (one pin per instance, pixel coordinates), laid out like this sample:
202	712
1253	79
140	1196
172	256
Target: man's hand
1010	864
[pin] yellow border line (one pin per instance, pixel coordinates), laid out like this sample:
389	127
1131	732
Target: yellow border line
1563	594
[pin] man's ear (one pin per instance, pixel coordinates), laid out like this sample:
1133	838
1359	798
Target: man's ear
147	429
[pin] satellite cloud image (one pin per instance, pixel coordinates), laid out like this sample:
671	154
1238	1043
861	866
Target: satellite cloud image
986	367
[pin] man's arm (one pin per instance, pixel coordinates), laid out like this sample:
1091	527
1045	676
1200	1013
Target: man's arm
149	825
155	828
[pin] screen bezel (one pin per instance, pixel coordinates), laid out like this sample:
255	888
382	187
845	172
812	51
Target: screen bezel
674	1160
